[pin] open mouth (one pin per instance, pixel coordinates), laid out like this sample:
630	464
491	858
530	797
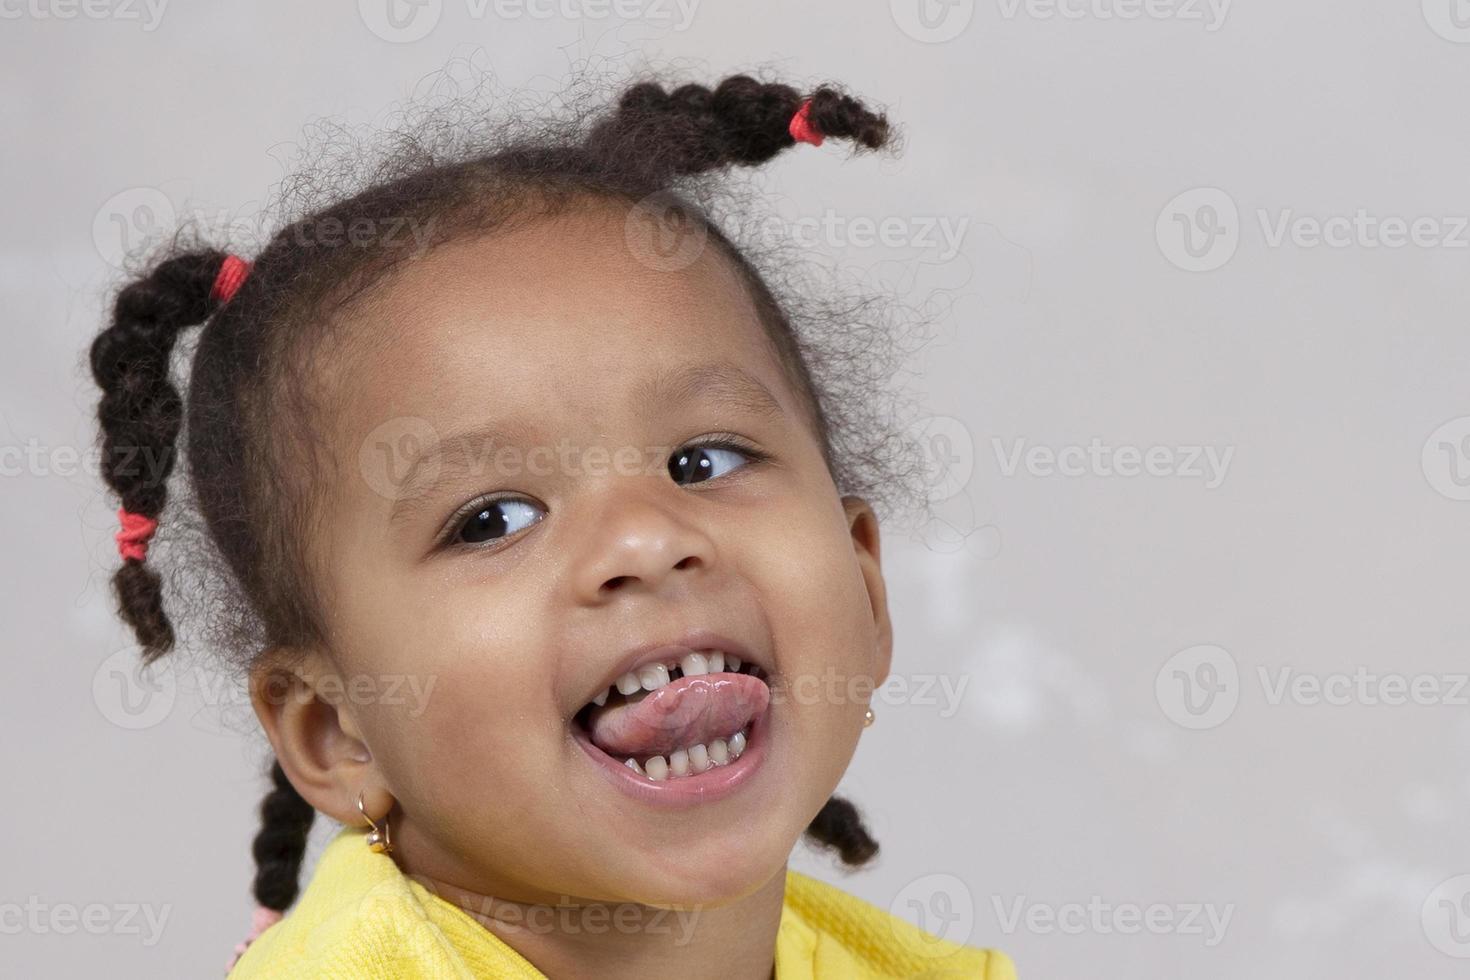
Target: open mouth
674	720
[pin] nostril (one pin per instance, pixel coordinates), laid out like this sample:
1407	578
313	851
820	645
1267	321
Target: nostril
615	582
686	562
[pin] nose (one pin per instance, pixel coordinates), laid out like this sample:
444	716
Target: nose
641	541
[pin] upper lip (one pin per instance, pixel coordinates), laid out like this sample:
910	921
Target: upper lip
670	650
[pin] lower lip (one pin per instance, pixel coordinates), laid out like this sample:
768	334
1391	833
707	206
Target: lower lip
677	792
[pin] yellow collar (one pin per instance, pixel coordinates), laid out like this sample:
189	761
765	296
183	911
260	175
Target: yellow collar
360	916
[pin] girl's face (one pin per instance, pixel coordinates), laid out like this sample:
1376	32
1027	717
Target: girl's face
503	536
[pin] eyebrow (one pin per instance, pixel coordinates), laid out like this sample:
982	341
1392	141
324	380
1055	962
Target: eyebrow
722	384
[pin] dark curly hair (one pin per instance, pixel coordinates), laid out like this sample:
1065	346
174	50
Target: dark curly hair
249	453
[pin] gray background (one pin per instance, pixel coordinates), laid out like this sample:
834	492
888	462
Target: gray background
1117	742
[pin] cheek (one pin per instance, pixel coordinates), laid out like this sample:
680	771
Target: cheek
482	730
820	616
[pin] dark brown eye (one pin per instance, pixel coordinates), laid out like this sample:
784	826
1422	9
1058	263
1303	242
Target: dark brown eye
693	464
497	519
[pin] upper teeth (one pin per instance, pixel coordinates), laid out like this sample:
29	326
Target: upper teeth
651	677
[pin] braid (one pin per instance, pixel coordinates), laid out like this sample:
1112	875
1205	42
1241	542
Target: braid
285	819
140	413
839	827
742	121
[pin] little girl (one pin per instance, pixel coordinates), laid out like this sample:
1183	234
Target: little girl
561	596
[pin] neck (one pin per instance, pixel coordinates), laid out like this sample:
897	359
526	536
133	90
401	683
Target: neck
624	941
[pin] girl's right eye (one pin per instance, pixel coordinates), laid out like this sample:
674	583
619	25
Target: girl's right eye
496	519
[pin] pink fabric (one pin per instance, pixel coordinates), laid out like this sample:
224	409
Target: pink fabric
801	127
262	920
132	540
232	272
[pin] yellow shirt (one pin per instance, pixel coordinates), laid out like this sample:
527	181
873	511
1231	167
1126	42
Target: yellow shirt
361	918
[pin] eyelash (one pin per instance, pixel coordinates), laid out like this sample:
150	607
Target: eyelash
720	440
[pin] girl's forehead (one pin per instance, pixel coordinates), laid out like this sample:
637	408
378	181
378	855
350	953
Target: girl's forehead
552	317
572	283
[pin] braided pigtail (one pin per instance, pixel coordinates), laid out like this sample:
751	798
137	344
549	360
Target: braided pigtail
285	820
839	827
741	121
140	415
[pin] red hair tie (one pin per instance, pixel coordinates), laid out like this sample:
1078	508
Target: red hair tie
132	540
232	272
262	920
801	127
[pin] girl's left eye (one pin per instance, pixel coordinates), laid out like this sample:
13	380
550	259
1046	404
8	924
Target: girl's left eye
694	464
496	519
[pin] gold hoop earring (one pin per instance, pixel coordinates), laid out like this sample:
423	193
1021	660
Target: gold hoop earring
379	839
868	717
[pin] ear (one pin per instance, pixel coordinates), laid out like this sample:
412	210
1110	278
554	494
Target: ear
862	525
300	699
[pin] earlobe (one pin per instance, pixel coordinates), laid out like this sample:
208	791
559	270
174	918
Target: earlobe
863	528
298	698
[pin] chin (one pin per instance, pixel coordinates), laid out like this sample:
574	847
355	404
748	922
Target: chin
711	876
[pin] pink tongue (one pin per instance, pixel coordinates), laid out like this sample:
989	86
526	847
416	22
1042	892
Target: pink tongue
690	711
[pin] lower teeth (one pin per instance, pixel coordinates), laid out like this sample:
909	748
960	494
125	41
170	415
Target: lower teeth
690	761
